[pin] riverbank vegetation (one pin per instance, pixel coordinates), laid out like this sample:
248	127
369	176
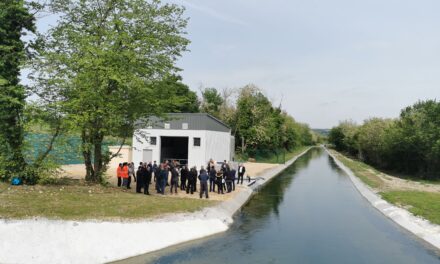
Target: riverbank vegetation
422	198
263	132
408	145
366	173
424	204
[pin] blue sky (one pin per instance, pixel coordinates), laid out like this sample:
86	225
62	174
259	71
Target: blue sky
327	60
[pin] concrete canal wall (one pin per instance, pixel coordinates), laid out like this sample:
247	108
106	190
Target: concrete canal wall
421	228
51	241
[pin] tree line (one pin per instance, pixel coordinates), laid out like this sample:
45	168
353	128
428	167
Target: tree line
409	144
258	125
105	66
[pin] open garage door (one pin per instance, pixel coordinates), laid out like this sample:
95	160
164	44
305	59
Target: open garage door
174	148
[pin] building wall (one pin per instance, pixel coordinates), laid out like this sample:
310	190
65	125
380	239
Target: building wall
214	145
217	146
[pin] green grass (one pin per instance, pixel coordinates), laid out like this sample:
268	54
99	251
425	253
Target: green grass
297	151
364	172
424	204
77	202
272	158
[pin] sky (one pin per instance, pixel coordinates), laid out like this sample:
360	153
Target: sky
324	61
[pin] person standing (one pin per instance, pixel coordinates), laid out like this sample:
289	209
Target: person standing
174	180
195	179
224	165
233	172
163	176
219	180
203	177
131	173
183	177
241	172
202	169
212	176
168	167
192	176
229	181
119	174
146	173
140	178
225	171
156	171
124	175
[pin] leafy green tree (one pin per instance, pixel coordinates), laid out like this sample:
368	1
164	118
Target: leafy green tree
253	118
15	19
372	137
100	66
211	101
306	135
290	133
336	137
418	130
345	137
409	144
176	95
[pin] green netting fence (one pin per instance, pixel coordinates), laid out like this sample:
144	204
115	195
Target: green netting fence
66	149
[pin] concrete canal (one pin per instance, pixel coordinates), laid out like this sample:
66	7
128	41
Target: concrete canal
311	213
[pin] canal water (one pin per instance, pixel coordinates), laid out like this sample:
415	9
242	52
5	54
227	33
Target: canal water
311	213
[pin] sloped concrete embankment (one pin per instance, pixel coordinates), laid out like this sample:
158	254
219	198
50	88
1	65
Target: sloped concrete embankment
421	228
51	241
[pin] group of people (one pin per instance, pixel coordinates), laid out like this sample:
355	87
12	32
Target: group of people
171	173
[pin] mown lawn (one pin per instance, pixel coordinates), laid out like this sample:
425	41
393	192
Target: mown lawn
424	204
366	173
78	202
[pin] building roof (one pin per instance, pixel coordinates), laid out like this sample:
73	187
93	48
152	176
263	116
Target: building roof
195	121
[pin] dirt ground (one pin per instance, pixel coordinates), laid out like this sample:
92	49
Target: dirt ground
393	183
77	171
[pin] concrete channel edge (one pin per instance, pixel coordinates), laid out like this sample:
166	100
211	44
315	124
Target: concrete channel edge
96	241
421	228
229	208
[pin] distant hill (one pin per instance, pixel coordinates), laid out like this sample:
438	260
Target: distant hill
321	131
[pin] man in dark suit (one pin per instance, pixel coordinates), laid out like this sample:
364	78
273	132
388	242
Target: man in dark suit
147	172
241	172
233	172
184	173
140	178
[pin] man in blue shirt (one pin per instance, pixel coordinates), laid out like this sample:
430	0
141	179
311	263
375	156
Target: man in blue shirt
203	177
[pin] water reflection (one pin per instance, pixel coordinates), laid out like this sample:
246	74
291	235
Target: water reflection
311	213
269	198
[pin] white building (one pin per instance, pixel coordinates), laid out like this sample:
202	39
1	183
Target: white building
190	138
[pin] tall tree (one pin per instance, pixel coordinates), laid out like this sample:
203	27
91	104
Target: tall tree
100	64
211	101
15	19
254	112
177	95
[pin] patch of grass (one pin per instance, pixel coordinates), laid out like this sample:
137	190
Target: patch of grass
366	173
424	204
273	158
88	202
297	151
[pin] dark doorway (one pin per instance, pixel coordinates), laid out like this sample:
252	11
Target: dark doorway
174	148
